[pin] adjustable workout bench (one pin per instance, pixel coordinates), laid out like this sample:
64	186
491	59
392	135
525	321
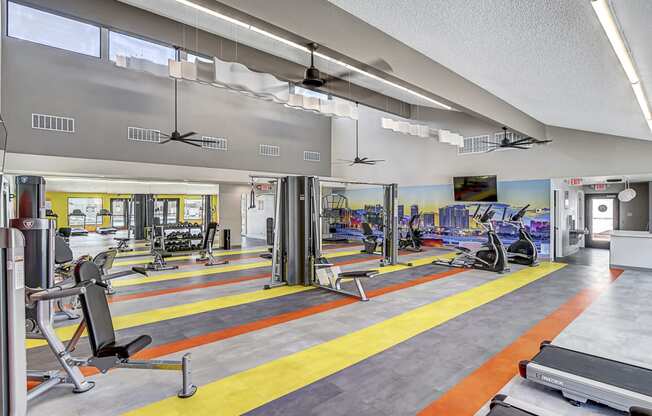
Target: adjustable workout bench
107	352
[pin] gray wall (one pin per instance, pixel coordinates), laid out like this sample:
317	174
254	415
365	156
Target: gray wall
634	215
105	100
416	161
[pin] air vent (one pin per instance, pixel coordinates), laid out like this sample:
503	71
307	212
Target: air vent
143	135
614	180
475	144
269	150
215	143
53	123
311	156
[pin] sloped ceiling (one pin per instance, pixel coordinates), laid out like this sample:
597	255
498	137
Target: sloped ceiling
548	58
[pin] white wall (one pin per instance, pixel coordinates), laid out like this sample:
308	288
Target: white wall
415	161
257	217
229	206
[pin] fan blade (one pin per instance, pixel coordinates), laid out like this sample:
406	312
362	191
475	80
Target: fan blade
183	136
376	160
523	140
491	143
517	147
190	143
542	141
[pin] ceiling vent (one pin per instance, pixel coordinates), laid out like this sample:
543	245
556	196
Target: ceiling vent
269	150
53	123
309	156
139	134
614	180
215	143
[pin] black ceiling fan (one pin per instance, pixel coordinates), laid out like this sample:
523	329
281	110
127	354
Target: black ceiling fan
313	77
360	160
176	136
524	143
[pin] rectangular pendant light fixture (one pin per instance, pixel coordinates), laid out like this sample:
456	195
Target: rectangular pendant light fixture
602	10
305	49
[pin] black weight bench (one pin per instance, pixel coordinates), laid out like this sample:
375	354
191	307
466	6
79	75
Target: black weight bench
107	351
123	244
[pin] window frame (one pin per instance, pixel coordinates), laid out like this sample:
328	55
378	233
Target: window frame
138	37
89	220
58	14
185	206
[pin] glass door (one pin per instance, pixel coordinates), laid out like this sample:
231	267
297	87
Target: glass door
119	213
166	211
602	218
172	211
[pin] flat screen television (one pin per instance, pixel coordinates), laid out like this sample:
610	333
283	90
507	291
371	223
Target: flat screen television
475	188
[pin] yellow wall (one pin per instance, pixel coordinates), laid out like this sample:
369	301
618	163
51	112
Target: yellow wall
59	202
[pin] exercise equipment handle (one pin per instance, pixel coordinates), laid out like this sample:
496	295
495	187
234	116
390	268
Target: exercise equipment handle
56	293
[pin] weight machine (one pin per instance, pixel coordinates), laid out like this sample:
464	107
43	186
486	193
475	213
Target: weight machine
297	253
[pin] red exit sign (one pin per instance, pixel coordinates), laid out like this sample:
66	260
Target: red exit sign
575	181
600	186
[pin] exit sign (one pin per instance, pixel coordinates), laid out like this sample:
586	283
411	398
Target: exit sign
575	181
600	186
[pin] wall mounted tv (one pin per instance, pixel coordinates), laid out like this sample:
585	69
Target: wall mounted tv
475	188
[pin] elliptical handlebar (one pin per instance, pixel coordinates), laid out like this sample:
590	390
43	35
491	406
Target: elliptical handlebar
487	215
520	214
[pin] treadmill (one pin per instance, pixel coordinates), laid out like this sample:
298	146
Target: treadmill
77	213
98	219
503	405
582	377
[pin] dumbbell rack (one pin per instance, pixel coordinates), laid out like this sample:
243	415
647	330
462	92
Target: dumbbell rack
170	235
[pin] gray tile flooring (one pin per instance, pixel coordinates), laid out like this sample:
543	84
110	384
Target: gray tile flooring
616	326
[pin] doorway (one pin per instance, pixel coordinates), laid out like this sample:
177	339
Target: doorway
602	216
166	211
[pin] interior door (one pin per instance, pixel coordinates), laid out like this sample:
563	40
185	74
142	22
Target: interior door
602	215
119	209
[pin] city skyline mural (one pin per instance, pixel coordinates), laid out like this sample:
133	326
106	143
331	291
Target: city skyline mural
444	221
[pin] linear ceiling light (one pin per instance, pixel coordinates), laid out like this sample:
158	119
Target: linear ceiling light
305	49
602	10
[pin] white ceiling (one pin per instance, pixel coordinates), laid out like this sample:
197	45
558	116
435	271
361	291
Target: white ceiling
184	14
549	58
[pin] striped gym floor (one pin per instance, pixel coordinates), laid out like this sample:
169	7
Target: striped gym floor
295	351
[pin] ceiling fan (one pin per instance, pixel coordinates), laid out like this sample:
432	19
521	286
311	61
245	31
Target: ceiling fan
522	143
176	136
313	77
360	160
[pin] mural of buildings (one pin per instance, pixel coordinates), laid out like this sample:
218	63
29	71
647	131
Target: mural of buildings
446	222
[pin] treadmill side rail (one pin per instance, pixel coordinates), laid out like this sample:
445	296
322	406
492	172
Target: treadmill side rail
581	389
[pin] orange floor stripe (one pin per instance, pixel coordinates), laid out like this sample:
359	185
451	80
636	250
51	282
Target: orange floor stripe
141	295
468	396
185	344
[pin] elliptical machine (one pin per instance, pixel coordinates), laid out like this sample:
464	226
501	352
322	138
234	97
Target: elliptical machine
412	241
491	256
524	250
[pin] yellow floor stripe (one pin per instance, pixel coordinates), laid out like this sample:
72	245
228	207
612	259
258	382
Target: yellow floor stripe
211	270
177	311
245	391
157	315
188	257
133	253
